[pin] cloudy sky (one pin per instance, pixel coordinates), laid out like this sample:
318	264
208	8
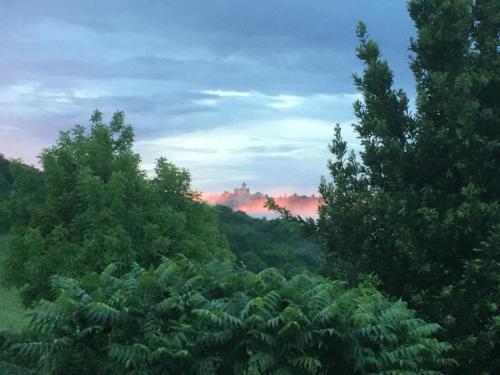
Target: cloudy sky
233	90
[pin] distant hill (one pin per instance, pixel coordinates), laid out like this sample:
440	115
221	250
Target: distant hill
262	243
253	203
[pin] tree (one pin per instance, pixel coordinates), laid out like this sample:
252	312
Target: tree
92	205
216	318
421	208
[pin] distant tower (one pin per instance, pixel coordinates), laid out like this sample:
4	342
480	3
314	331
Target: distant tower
243	190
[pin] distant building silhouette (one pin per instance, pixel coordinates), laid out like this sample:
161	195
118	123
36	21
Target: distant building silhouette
253	203
242	191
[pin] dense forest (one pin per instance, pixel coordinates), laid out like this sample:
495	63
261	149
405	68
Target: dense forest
260	243
123	272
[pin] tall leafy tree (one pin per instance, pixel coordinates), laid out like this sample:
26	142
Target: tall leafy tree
420	206
93	205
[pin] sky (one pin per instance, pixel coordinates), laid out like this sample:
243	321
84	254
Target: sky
232	90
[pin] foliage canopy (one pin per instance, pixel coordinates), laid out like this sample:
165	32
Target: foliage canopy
261	243
92	206
183	317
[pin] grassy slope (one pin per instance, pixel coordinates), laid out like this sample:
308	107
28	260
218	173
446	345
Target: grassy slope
12	314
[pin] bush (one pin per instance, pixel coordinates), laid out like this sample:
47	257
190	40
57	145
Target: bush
184	317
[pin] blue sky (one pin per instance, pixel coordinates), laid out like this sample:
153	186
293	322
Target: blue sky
232	90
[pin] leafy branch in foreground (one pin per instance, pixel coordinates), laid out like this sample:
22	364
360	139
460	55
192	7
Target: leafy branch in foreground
307	224
184	318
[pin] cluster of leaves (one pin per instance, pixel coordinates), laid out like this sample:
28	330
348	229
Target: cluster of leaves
8	364
9	369
92	205
184	318
421	210
261	243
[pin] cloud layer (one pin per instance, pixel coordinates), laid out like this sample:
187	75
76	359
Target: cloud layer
229	89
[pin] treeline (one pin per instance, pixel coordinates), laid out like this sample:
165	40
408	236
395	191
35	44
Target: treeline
5	177
6	182
261	243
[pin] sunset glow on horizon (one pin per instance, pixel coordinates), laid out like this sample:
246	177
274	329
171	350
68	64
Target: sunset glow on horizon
254	203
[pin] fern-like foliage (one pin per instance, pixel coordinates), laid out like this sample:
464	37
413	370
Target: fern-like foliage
216	318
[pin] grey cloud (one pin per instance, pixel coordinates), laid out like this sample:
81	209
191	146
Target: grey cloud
154	59
190	149
269	149
292	45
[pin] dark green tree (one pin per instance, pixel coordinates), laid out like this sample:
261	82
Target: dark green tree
92	205
420	205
